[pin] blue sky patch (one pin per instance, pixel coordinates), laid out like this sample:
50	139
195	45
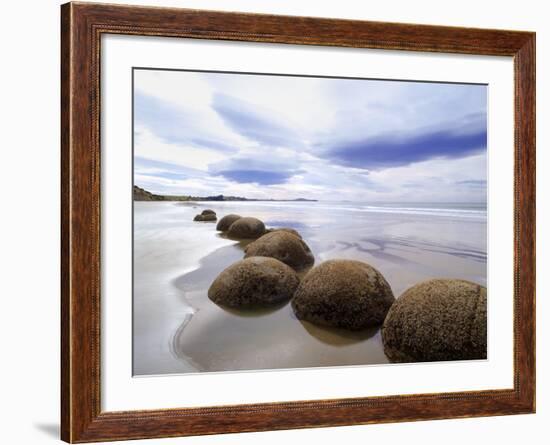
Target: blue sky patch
257	176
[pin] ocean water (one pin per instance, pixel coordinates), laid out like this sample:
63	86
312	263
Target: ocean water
177	329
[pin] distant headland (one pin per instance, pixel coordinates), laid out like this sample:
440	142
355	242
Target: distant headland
143	195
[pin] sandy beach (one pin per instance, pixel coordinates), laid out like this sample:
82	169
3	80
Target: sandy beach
177	329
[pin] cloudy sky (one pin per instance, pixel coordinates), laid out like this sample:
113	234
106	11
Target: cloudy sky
281	137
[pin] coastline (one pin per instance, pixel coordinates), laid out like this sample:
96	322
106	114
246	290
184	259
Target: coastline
188	333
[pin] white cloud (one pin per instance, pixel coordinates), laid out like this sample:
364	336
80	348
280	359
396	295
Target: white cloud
188	94
315	113
174	87
149	146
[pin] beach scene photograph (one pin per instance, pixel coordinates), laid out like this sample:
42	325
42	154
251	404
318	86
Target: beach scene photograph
289	221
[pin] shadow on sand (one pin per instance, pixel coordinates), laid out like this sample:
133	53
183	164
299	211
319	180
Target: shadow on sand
254	311
337	336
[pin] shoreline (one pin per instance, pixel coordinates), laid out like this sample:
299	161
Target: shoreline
200	336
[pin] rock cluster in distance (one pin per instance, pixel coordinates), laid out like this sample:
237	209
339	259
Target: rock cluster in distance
226	221
206	215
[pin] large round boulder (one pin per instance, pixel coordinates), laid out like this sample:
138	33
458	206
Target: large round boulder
254	282
226	221
246	228
284	246
343	293
208	217
208	212
437	320
285	229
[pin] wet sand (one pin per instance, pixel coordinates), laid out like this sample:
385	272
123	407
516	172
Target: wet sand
177	329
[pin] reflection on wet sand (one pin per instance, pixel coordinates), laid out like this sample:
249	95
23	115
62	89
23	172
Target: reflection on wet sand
337	336
254	312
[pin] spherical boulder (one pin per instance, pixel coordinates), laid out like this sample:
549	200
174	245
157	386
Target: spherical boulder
226	221
437	320
205	218
343	293
208	212
284	246
286	229
246	228
254	282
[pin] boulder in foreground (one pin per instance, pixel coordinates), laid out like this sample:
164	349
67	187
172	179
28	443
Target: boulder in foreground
343	293
254	282
246	228
283	246
437	320
226	221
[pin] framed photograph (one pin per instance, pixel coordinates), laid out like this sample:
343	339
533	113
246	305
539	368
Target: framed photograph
274	222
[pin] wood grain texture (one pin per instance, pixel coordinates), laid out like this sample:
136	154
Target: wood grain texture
81	28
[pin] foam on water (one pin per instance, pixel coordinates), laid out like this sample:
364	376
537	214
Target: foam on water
448	210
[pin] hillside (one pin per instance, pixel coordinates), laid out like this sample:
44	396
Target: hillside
144	195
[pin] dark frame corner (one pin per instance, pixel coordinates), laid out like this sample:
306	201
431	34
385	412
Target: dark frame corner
82	25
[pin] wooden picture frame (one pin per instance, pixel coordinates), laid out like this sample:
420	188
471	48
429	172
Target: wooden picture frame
82	25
